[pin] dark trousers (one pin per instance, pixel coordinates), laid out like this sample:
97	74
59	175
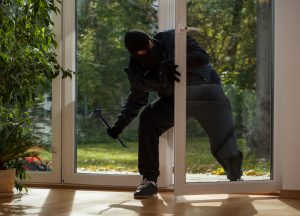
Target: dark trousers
209	105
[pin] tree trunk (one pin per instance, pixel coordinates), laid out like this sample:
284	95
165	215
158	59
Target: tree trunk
261	135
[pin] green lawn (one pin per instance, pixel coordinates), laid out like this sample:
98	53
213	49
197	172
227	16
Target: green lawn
112	156
107	156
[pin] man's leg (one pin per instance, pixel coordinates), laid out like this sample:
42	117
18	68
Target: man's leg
155	119
210	106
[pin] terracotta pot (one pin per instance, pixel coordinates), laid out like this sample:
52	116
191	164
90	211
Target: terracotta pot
7	182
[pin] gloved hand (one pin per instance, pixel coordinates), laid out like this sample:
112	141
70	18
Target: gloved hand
113	131
168	73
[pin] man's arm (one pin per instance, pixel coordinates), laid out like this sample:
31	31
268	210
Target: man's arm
135	101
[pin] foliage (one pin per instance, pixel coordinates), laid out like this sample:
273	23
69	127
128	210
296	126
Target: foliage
229	39
27	57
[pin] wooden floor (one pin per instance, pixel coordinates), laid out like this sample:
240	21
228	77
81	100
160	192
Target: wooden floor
61	201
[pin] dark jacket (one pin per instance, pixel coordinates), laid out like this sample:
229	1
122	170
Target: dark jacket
144	78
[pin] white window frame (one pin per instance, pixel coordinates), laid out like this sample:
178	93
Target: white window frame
166	20
181	186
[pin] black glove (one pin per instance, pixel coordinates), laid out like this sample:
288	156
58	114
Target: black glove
168	73
113	131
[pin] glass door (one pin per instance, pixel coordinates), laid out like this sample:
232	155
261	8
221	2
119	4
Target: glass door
94	48
216	124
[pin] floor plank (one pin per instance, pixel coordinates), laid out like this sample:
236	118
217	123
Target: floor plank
62	201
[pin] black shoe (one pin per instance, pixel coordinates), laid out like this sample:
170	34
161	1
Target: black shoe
234	170
145	189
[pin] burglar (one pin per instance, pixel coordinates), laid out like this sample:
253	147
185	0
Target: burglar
151	68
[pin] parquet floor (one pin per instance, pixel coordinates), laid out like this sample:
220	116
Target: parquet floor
63	201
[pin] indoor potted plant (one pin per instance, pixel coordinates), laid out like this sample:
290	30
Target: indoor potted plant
27	61
16	143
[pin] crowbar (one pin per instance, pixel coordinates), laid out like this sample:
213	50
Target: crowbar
97	113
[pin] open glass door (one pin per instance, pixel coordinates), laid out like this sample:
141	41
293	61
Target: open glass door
238	36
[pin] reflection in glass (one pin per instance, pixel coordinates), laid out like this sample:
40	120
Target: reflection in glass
238	38
102	82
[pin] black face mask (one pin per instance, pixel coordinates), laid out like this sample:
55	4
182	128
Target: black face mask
151	57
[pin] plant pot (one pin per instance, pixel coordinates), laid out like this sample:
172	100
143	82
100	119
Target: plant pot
7	182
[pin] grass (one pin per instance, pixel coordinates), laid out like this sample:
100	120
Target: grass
111	156
107	156
198	156
200	160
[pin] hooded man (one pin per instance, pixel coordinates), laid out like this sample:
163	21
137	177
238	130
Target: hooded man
151	69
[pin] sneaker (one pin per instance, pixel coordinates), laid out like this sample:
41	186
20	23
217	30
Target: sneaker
235	171
145	189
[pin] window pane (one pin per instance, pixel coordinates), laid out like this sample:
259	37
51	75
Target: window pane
102	82
41	119
237	35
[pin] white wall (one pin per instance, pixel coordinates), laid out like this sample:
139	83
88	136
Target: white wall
288	32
